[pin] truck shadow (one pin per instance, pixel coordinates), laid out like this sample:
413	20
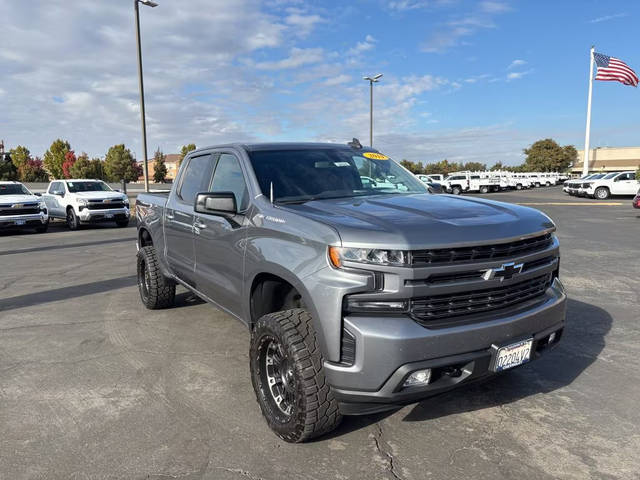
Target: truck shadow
583	341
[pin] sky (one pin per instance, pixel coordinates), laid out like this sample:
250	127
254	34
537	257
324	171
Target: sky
463	80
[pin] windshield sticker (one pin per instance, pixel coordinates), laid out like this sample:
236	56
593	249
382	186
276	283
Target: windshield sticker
70	184
375	156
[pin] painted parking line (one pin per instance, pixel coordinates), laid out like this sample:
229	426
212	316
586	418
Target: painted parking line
602	204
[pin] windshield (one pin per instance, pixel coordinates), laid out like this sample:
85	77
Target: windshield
595	177
75	187
610	175
14	189
303	175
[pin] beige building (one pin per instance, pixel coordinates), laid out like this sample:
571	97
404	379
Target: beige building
609	159
172	162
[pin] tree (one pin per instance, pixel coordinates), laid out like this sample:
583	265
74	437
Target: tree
8	170
54	157
69	160
185	150
547	156
120	165
159	167
85	168
474	166
32	171
497	166
19	155
415	168
443	167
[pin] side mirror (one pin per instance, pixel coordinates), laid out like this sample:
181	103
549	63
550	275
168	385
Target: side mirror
219	203
37	194
117	190
59	193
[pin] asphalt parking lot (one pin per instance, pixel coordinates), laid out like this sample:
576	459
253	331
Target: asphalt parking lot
94	386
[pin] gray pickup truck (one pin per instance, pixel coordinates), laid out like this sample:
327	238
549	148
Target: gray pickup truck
363	292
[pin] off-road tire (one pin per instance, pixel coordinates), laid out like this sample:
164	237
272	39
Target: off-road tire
602	193
72	219
156	290
314	410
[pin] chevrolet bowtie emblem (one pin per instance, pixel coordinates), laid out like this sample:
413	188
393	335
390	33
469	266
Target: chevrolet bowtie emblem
106	200
505	272
17	205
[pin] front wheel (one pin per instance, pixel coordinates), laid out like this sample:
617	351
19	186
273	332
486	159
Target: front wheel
519	187
156	290
72	219
456	190
288	377
601	193
484	189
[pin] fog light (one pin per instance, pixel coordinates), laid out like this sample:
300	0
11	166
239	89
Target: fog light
418	378
552	338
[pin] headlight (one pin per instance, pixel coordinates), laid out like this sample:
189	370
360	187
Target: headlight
375	256
82	202
125	200
42	205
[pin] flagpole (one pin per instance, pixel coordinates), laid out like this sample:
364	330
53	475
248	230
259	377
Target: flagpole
585	163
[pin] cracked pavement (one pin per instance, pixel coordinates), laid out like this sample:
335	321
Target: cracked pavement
93	386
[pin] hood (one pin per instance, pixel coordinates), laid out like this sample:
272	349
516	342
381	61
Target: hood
100	195
11	199
423	221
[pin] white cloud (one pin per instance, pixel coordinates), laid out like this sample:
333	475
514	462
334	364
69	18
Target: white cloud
297	58
454	32
516	63
360	47
403	5
606	18
302	24
338	79
517	75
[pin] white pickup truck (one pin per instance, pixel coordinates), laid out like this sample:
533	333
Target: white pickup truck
86	201
19	208
459	182
623	183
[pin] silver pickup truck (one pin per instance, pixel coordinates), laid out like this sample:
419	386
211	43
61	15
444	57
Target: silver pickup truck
363	292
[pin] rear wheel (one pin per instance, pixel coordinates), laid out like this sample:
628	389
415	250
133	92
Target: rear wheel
72	219
288	378
156	290
602	193
456	190
484	189
519	186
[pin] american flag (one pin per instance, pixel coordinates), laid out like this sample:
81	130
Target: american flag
611	69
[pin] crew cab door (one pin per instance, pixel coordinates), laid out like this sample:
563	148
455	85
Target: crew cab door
219	239
179	216
624	184
54	199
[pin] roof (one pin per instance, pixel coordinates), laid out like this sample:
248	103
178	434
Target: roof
252	147
8	182
77	180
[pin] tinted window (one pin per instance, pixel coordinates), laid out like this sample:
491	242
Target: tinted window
75	187
13	189
228	178
196	178
303	175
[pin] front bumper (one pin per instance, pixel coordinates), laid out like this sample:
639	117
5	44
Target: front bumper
104	215
388	349
18	221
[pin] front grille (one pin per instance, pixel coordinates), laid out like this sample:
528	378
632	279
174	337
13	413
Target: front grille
29	209
483	252
428	309
105	206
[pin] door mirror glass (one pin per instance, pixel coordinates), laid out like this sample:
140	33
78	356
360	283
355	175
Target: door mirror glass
220	203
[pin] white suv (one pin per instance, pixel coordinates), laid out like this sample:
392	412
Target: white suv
623	183
86	201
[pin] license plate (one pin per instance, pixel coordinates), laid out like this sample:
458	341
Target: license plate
513	355
19	222
109	215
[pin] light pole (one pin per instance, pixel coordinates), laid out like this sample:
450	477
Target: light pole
148	3
371	81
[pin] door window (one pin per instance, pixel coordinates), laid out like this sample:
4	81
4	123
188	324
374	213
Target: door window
228	177
55	187
196	178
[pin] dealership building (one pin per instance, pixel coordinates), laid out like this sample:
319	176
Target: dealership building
609	159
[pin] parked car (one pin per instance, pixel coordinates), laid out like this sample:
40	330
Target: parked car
573	186
86	201
622	183
636	200
19	208
358	299
460	182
